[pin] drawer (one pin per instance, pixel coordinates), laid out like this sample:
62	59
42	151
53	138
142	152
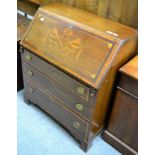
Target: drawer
128	84
63	115
72	102
52	72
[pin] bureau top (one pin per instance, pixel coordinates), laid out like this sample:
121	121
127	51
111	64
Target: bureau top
80	43
90	19
131	68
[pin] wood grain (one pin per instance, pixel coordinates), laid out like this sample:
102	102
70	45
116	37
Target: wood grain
69	43
53	107
122	128
22	25
123	11
86	51
131	68
27	7
35	1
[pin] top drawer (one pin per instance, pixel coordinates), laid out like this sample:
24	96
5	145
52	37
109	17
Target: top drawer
128	84
60	77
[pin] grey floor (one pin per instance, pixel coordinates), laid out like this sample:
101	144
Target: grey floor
38	134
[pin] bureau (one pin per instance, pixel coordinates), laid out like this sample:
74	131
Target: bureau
122	129
69	59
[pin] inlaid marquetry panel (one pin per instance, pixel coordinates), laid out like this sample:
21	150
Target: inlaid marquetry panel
68	46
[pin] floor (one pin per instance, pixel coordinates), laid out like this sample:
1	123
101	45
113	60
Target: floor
38	134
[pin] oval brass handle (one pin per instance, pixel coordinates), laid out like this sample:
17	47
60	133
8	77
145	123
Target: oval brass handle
80	90
28	57
31	90
79	107
30	73
76	125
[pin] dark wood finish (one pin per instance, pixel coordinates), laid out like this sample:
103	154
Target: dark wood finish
61	93
123	11
27	6
122	129
118	144
57	75
22	24
35	1
59	112
20	84
128	84
84	51
131	69
74	43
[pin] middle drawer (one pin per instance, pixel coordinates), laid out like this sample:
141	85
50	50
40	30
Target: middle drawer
74	86
66	98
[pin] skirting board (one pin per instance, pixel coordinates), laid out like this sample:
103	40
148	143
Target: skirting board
118	144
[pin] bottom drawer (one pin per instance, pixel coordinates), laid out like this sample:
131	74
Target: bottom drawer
63	115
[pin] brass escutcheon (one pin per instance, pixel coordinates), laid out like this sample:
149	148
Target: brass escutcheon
30	73
81	90
76	125
28	57
79	107
31	91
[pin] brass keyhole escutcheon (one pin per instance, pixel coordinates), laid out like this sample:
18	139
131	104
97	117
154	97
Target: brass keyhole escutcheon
76	125
79	107
30	73
28	57
31	90
81	90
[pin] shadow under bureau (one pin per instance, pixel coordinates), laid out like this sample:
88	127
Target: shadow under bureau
69	59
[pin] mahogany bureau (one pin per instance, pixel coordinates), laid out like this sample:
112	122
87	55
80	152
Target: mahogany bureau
122	129
69	59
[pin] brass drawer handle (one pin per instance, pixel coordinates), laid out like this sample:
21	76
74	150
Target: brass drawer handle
76	125
30	73
80	90
31	90
79	107
28	57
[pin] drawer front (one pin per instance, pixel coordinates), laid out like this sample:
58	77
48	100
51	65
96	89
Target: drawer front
128	84
78	106
52	72
59	112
